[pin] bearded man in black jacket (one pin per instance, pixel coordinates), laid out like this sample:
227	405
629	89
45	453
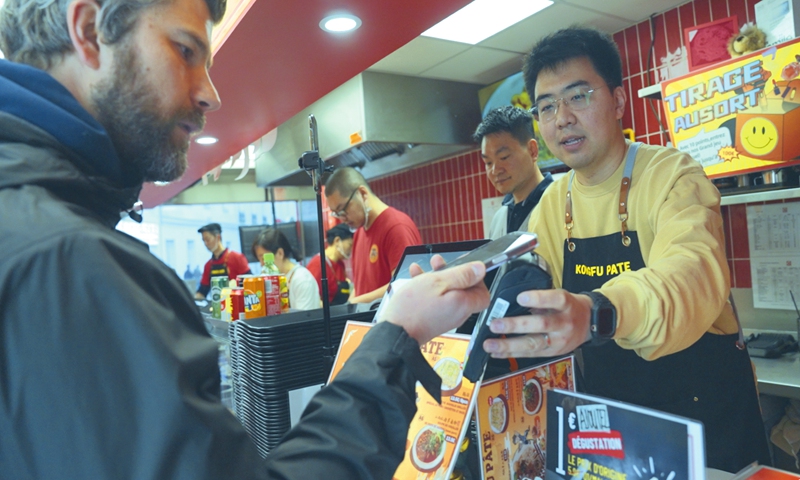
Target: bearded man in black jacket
106	370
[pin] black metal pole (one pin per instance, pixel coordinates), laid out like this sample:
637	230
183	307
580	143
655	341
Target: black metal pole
314	165
328	353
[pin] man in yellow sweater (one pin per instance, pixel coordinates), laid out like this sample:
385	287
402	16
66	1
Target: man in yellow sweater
634	238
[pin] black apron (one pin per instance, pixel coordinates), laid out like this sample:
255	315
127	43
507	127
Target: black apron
220	269
342	287
711	381
342	293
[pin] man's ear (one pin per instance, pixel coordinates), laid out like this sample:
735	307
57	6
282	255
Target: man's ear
533	149
82	20
620	98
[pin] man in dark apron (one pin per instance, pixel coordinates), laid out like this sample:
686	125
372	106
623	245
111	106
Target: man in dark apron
634	238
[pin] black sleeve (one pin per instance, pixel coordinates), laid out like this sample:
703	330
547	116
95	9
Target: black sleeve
204	289
356	427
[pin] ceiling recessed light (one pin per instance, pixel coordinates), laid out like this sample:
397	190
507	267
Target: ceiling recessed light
343	22
481	19
206	140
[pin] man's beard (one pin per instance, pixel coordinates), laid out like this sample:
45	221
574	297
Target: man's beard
127	107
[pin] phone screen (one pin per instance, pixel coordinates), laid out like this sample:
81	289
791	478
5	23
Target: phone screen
500	251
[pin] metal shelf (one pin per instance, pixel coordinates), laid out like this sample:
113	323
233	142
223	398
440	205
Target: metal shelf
653	91
766	196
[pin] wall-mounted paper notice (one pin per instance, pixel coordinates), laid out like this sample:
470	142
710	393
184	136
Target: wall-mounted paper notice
774	235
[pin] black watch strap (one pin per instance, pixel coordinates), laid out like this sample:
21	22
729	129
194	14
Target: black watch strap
603	324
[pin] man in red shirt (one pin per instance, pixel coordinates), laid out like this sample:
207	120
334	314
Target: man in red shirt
223	261
340	247
381	232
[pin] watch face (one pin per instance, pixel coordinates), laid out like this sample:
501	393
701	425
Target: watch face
606	322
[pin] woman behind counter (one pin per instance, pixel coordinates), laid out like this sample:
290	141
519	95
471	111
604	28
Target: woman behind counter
340	246
303	289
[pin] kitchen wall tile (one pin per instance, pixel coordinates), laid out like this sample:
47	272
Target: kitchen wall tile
444	201
751	10
653	114
674	32
741	245
660	49
742	269
733	273
468	200
619	39
719	9
476	161
454	199
637	104
458	203
632	49
686	14
644	32
653	125
738	8
627	117
726	224
702	12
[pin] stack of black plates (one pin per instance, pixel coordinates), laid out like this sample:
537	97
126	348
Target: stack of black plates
271	356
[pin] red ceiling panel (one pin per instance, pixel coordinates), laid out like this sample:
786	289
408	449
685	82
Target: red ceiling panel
278	61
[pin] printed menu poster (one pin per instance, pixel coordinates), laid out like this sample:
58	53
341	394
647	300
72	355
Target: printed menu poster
593	438
436	430
511	417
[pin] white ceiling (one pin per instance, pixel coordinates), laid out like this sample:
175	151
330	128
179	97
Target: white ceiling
501	55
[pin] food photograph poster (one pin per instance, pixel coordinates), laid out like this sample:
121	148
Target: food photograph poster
511	417
741	115
437	430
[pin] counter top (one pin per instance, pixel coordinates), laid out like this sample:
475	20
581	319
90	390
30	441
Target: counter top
779	376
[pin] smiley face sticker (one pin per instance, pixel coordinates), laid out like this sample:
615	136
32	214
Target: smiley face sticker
759	136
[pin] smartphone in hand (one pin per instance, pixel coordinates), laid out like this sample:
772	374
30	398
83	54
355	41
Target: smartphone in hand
499	251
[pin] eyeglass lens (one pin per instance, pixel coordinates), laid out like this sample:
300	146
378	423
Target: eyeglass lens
343	212
577	98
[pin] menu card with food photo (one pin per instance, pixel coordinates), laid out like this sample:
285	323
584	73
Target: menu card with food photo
436	431
511	417
593	437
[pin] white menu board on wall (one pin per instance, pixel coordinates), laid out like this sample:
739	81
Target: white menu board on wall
774	234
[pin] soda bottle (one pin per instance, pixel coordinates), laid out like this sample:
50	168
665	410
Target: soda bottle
269	267
274	282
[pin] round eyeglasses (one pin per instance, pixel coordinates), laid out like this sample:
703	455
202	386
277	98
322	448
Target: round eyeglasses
576	98
341	214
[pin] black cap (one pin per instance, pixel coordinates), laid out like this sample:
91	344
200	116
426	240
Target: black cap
211	228
341	230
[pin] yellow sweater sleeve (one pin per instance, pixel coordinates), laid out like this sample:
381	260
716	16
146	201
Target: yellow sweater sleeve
682	292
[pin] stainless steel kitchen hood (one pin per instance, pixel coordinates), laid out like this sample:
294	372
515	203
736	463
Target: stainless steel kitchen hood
380	123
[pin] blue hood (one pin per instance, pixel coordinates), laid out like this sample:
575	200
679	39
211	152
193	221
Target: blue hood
36	97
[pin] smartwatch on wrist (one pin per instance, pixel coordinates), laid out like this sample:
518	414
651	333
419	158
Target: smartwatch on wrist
603	324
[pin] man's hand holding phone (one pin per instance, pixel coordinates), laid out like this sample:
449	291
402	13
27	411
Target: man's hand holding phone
557	325
429	305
